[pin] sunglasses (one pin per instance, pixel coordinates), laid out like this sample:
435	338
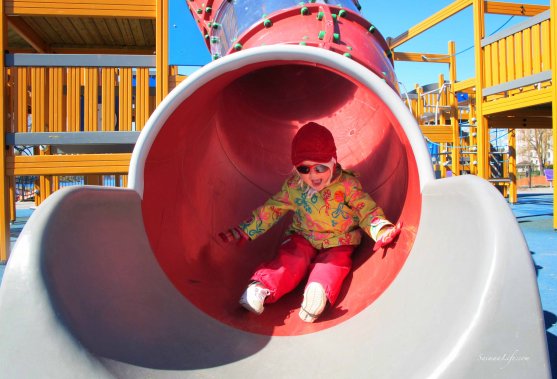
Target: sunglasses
318	168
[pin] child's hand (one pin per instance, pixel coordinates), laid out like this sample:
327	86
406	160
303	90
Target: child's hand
234	234
388	236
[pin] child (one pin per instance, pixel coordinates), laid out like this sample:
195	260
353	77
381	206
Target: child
329	207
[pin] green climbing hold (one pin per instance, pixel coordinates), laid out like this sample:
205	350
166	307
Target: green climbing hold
334	16
372	29
199	10
347	55
238	47
208	10
215	39
321	34
336	37
303	43
267	23
320	15
304	11
341	13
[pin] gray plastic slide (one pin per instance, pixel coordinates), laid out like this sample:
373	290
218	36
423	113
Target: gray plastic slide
84	297
84	294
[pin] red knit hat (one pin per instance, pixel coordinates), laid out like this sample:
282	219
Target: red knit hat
313	142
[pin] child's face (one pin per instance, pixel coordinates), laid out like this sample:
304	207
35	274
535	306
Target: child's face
316	175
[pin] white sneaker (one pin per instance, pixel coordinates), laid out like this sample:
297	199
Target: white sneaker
314	302
253	298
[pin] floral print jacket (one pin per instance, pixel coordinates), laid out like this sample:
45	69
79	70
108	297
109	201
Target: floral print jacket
328	218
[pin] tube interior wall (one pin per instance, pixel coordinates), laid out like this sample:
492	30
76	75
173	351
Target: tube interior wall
226	149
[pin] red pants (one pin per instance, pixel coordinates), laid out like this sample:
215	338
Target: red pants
295	257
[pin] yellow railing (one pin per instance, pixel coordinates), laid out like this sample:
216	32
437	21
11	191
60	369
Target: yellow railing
516	61
52	101
73	99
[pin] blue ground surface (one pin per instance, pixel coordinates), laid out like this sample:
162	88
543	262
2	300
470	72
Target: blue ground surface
534	213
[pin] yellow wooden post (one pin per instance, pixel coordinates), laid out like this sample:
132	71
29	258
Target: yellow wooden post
141	97
419	103
513	174
162	50
124	107
439	101
90	105
488	64
10	126
502	61
108	105
55	107
4	206
536	49
553	17
72	99
455	154
38	120
545	45
125	100
91	100
482	126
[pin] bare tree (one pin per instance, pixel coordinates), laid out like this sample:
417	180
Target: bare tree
537	141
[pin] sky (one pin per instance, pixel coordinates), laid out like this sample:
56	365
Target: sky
458	28
391	18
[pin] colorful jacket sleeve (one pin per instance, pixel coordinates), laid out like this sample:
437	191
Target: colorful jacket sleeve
267	215
371	217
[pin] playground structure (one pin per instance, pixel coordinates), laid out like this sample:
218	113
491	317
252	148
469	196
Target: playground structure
80	114
132	290
514	76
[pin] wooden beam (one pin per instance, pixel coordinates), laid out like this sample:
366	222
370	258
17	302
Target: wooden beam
68	164
27	33
543	111
428	23
520	122
514	9
439	134
518	101
82	8
421	57
465	85
98	50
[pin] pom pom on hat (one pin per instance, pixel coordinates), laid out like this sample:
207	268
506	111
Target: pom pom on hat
313	142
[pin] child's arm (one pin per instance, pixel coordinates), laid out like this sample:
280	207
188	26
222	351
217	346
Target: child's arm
262	219
372	219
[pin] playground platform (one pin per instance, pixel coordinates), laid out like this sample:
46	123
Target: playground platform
533	211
